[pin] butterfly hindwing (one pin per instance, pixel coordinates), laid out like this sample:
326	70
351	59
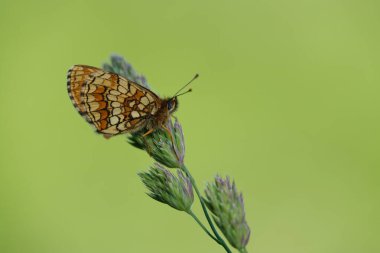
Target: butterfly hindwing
110	102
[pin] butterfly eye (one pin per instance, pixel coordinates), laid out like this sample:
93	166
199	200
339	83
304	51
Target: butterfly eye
171	105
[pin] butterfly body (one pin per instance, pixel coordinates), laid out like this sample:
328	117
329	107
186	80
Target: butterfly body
114	104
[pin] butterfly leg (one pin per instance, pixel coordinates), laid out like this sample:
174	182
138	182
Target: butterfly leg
147	146
164	127
172	140
170	134
148	133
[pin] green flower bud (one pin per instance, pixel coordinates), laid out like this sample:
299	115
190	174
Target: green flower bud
159	144
227	207
165	187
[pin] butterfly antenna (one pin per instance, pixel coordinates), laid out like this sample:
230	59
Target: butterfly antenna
176	94
183	93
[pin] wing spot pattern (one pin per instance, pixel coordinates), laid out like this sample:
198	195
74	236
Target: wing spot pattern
111	103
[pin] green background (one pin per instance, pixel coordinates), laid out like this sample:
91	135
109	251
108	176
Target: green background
287	103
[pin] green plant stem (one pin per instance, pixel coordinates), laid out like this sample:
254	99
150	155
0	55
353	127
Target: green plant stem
219	238
244	250
201	224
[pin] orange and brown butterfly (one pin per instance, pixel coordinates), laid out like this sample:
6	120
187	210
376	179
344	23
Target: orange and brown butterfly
116	105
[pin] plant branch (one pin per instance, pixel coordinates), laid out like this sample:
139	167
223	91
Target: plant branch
219	238
201	224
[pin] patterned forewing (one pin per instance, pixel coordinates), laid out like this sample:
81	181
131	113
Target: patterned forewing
110	102
76	77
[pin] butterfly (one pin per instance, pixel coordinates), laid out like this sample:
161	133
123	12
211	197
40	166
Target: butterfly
115	105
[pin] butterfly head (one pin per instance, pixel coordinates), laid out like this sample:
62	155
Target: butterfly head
172	104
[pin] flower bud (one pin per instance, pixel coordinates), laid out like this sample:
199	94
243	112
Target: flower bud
227	207
165	187
160	146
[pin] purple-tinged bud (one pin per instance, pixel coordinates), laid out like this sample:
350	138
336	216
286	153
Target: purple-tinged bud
166	146
165	187
227	207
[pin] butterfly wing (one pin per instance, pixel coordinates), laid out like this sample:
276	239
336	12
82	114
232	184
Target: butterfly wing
110	102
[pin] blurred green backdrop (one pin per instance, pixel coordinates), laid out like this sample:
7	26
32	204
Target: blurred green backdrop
287	104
